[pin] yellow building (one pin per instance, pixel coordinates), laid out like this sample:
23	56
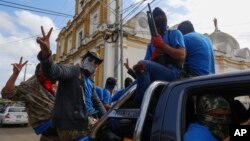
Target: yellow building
93	21
91	29
83	33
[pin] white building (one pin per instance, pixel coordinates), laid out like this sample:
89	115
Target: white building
94	24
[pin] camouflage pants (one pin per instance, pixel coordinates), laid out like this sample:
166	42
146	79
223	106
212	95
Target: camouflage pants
72	135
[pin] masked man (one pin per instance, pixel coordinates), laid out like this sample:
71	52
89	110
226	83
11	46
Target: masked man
76	102
167	64
39	97
213	114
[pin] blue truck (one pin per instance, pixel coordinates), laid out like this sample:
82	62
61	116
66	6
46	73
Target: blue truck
169	107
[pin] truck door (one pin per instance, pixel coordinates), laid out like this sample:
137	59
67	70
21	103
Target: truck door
176	108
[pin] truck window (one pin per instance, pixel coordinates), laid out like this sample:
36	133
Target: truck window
237	97
16	109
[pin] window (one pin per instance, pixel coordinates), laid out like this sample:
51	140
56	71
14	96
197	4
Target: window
62	48
237	96
79	39
69	44
16	110
94	21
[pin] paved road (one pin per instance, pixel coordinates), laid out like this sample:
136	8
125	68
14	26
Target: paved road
17	133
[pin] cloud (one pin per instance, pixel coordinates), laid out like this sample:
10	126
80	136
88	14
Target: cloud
7	24
231	16
33	22
18	34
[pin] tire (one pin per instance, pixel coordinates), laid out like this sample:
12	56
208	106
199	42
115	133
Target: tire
1	123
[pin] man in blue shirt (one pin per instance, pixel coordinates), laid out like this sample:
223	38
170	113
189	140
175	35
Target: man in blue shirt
108	91
167	66
121	92
199	51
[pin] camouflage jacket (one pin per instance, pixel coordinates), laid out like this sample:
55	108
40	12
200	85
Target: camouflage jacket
38	101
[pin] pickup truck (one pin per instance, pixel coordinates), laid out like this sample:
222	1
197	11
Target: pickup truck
172	105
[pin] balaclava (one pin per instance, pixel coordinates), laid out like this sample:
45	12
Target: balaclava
160	23
219	126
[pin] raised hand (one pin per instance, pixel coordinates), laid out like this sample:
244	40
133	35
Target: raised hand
126	64
44	42
17	67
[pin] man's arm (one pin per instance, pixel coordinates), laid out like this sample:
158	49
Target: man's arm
130	71
177	53
50	69
10	84
98	105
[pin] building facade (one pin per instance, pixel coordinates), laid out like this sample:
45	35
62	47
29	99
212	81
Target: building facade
94	27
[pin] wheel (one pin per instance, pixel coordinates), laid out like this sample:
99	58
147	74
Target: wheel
1	123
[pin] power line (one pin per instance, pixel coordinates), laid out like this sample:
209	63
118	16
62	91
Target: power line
136	7
33	9
36	8
131	6
27	38
66	1
141	9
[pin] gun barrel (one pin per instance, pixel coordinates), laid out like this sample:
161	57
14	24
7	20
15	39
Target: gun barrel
151	22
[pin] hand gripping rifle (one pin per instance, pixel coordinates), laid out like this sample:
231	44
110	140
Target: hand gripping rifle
152	28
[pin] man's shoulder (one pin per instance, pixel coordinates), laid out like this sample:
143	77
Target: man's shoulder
197	132
173	31
30	82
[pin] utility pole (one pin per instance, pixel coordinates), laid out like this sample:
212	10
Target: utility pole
25	70
116	55
119	43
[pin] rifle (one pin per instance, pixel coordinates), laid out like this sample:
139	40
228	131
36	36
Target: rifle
151	22
153	31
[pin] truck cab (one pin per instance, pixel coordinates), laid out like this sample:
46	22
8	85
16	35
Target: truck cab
169	107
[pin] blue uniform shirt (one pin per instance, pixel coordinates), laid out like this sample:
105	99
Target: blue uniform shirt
117	95
99	92
198	132
88	95
174	38
199	54
106	96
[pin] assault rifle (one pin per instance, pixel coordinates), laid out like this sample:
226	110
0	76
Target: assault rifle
151	22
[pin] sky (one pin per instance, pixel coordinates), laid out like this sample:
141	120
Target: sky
19	28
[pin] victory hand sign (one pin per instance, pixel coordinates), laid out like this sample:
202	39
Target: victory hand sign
44	43
17	67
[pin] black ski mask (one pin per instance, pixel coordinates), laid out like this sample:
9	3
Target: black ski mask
160	19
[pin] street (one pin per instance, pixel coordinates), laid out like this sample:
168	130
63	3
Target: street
17	133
